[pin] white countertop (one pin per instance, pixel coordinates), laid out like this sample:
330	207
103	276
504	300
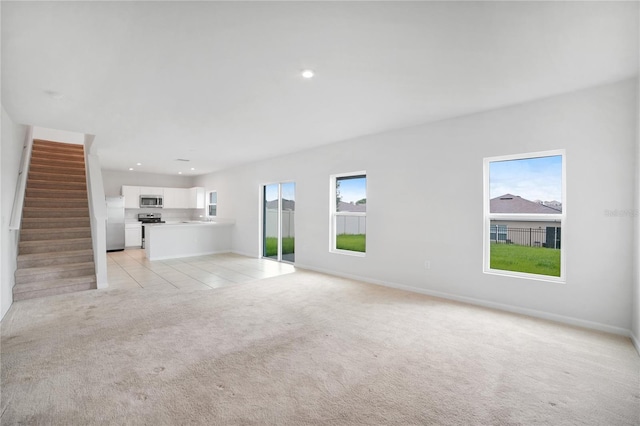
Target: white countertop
190	223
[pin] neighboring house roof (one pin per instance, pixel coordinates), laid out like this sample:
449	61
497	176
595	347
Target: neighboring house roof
509	203
351	207
286	204
554	203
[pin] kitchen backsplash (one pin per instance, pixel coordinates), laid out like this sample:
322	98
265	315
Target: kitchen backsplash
167	214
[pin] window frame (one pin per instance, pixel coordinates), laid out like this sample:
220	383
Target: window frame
559	219
208	203
334	214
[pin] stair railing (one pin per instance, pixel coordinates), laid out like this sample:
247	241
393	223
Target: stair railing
21	185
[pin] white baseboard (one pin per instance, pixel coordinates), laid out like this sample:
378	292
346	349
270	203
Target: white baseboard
635	341
488	304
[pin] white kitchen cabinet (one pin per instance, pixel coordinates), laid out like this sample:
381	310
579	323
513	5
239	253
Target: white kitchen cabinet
173	198
151	190
176	198
131	196
196	198
133	235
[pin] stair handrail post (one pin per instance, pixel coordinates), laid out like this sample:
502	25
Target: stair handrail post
21	185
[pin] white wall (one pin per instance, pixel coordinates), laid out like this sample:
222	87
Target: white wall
13	138
56	135
424	202
98	210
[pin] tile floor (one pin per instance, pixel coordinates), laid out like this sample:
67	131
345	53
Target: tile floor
131	269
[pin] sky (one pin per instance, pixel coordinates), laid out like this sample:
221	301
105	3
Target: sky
288	191
353	189
350	190
532	178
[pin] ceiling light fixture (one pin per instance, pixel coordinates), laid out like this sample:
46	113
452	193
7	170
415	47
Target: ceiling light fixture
307	74
138	164
130	168
193	168
179	173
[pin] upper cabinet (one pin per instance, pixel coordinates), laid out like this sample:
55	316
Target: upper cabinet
196	198
151	190
173	198
176	198
131	196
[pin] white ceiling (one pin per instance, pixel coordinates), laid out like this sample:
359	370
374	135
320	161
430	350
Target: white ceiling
219	83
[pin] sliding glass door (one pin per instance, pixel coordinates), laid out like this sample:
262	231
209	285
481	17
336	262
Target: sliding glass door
278	221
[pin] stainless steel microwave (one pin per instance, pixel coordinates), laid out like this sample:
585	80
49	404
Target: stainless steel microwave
151	201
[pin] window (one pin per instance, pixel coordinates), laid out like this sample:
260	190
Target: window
349	213
524	215
212	203
498	233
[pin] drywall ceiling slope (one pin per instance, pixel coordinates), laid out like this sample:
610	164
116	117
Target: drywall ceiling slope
219	83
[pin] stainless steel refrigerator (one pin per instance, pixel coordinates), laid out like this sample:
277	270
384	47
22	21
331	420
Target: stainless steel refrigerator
115	223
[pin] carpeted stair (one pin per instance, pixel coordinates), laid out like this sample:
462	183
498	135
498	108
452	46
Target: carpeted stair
55	252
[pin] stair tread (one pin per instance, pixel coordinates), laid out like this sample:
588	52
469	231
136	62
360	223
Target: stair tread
57	254
48	199
55	208
63	257
55	144
33	180
65	241
54	200
57	283
54	230
45	168
42	159
37	270
41	172
57	185
74	157
46	192
57	221
59	155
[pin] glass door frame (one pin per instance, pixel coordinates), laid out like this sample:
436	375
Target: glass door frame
263	221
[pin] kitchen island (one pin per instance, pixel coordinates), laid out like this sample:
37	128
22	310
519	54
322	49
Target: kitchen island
185	239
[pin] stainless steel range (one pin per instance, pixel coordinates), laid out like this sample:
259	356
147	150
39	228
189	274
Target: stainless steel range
148	218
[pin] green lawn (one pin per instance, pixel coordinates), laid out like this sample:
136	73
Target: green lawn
532	260
288	245
352	242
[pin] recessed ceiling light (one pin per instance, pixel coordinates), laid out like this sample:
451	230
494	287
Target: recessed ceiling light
138	164
307	74
179	173
130	168
193	168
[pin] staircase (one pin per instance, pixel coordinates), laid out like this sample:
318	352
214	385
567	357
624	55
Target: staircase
55	252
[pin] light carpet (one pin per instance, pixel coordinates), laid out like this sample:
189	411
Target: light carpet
305	349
